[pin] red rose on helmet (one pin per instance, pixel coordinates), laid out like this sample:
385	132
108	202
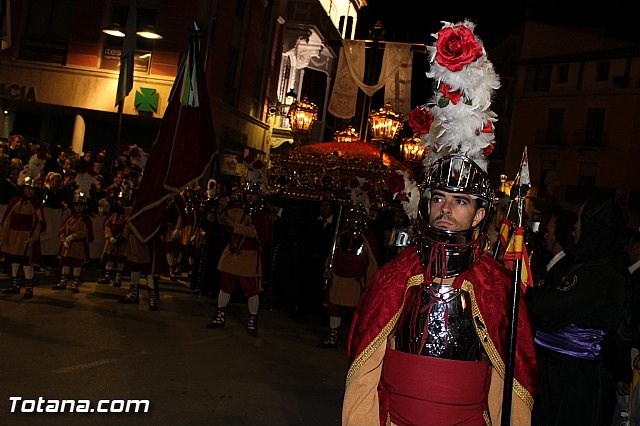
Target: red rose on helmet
487	150
453	95
457	47
420	120
488	128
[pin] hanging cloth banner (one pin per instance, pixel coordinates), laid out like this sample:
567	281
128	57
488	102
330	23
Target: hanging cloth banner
350	74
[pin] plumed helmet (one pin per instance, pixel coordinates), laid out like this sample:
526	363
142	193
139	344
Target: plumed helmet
80	197
29	182
458	173
251	187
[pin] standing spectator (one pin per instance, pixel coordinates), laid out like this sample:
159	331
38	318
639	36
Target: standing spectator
242	261
5	162
53	192
69	186
20	229
67	166
17	148
9	188
573	314
75	235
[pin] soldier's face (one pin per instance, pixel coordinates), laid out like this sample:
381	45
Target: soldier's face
453	211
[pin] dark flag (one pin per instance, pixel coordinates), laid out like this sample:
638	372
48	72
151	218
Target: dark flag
125	78
185	145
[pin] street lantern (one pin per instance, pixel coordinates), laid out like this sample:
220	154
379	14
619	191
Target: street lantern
384	124
412	150
302	115
346	135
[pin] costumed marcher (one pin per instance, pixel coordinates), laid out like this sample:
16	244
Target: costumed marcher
172	220
427	344
76	233
353	265
243	259
20	230
188	228
113	252
214	238
576	317
140	261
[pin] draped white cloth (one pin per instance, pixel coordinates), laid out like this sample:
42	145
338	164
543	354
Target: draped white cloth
395	76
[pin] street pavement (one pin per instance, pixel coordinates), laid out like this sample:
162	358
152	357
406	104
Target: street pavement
86	346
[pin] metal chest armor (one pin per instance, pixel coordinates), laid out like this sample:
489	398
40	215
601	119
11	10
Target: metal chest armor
351	243
439	323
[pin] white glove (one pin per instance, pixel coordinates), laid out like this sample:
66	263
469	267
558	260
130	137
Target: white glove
113	240
175	234
193	238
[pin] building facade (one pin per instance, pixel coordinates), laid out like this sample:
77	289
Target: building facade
59	70
573	99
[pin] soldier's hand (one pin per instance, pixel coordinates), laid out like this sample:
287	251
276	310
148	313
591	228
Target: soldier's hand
113	240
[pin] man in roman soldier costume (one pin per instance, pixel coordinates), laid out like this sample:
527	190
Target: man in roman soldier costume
113	256
243	259
75	235
428	342
172	220
140	261
212	239
20	229
354	263
188	231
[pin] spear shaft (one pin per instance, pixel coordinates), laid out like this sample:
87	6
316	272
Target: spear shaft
507	391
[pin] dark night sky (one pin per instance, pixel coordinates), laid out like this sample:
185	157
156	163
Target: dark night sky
406	21
416	20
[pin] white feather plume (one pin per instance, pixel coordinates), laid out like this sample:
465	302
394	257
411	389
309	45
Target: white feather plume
458	127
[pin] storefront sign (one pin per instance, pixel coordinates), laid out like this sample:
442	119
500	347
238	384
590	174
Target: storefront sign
17	92
52	52
111	59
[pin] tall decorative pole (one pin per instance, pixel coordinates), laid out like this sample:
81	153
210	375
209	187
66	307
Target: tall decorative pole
521	186
125	76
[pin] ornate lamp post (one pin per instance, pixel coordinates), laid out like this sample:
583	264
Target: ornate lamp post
384	124
412	150
302	115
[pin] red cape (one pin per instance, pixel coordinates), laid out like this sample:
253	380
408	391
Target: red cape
491	288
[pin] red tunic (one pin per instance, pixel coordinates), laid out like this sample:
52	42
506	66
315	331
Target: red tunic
489	285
